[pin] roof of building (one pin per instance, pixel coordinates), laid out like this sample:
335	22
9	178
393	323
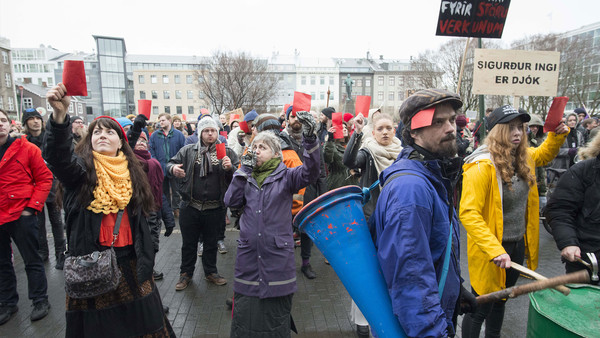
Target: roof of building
178	59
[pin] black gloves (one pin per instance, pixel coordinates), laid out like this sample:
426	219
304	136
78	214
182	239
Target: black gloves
467	301
249	159
168	231
139	123
309	125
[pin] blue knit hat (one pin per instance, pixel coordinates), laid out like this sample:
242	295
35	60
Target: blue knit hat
124	122
250	116
287	113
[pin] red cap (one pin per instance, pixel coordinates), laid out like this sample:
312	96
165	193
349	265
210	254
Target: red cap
117	122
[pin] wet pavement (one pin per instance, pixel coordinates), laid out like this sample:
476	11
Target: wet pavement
320	307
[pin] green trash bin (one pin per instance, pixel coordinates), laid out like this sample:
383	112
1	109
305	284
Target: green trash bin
552	314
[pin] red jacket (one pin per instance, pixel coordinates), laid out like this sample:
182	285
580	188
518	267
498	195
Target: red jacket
25	180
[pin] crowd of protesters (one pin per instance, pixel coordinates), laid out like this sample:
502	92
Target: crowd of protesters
256	171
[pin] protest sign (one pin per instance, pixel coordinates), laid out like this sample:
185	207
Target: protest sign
336	121
515	72
74	78
472	18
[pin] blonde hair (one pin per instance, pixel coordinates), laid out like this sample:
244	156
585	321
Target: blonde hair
508	160
591	150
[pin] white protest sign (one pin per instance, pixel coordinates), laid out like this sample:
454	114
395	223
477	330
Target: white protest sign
515	72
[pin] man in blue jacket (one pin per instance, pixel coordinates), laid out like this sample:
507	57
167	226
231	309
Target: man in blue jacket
164	144
415	226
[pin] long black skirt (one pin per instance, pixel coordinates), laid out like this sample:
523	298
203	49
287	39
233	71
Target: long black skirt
261	318
133	309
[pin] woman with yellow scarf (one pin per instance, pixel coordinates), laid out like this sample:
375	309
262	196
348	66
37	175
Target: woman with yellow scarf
101	177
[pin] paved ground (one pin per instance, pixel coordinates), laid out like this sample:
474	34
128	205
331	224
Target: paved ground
320	308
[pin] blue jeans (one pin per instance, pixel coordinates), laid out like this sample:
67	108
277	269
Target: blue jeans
24	233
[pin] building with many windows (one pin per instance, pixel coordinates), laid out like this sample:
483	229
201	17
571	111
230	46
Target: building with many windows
285	69
113	79
171	82
8	98
315	76
36	65
392	81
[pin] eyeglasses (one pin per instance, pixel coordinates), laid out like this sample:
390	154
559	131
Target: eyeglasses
78	122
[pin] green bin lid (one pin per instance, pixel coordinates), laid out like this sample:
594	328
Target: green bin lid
578	314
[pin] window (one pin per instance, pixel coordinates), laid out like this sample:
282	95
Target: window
380	81
179	110
166	94
153	79
331	80
313	80
71	108
142	94
400	95
200	95
27	102
5	57
154	110
359	83
303	80
391	96
177	79
322	96
51	81
11	104
141	79
368	83
1	102
331	97
154	95
392	81
380	96
167	109
189	79
401	81
165	78
190	94
322	80
7	80
190	110
178	94
313	96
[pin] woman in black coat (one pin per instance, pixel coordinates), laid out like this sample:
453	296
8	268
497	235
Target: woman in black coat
101	177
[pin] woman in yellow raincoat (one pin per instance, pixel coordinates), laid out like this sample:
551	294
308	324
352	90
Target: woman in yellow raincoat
499	210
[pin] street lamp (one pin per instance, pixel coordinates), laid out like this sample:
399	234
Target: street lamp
21	111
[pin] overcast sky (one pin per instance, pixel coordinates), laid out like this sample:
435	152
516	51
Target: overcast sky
394	28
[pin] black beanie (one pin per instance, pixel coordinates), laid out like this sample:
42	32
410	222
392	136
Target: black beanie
30	113
328	112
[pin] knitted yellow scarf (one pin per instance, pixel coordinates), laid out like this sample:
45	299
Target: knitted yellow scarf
113	191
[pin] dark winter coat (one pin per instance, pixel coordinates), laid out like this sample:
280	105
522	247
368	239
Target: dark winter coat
164	147
573	210
338	175
357	158
187	156
83	226
265	265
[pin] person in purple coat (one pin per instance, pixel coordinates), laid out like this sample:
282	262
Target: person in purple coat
265	273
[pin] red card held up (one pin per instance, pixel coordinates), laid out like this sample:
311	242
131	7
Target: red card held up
184	117
336	119
244	127
221	150
555	114
301	102
223	133
422	118
362	105
145	108
74	78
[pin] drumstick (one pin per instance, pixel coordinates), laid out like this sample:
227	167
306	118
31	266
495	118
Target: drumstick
565	290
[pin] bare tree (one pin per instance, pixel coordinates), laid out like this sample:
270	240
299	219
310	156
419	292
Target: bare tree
237	80
447	61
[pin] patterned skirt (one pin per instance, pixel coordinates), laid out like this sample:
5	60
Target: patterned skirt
133	309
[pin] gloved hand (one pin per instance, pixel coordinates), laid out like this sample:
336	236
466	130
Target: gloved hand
467	301
249	159
139	123
168	231
572	152
309	125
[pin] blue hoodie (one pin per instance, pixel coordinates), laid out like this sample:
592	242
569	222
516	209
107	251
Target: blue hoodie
410	227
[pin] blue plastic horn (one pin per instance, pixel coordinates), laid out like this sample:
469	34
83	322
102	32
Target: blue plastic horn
336	223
